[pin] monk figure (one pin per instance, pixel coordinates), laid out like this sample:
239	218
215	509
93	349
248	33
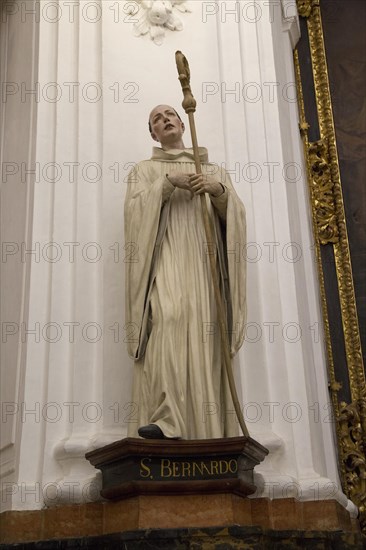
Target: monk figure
180	387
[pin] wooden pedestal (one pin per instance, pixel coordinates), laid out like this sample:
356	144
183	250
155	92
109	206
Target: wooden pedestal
168	467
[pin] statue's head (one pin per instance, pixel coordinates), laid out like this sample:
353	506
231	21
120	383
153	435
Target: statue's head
165	124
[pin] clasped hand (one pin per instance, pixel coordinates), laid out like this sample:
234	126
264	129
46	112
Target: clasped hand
196	183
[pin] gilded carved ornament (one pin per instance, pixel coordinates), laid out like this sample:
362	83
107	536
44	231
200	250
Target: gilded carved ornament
322	191
354	452
326	197
305	7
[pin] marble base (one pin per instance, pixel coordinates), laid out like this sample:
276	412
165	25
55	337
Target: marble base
230	538
174	512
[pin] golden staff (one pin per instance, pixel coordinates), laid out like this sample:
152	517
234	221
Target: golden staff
189	105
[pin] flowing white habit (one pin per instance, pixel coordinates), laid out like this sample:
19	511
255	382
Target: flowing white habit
180	382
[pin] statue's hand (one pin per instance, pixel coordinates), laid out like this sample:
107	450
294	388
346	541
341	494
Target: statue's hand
179	179
200	183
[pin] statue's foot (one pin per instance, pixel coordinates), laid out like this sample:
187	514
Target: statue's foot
151	431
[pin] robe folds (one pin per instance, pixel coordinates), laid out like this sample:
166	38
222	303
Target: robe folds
172	333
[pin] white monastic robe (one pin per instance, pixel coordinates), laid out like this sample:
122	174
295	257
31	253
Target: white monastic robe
180	382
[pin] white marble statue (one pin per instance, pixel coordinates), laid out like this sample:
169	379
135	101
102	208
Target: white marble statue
180	388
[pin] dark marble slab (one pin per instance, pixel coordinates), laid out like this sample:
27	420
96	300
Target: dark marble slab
215	538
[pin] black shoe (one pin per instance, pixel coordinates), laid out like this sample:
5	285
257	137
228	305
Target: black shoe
151	431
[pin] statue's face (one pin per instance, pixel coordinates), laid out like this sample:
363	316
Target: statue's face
166	127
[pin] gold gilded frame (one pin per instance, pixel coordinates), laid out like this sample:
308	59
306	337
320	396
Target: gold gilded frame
329	226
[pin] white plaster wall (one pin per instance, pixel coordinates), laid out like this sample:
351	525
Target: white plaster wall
19	44
78	374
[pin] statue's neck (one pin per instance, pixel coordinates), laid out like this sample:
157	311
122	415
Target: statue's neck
175	145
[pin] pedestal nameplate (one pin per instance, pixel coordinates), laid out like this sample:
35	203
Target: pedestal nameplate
140	466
